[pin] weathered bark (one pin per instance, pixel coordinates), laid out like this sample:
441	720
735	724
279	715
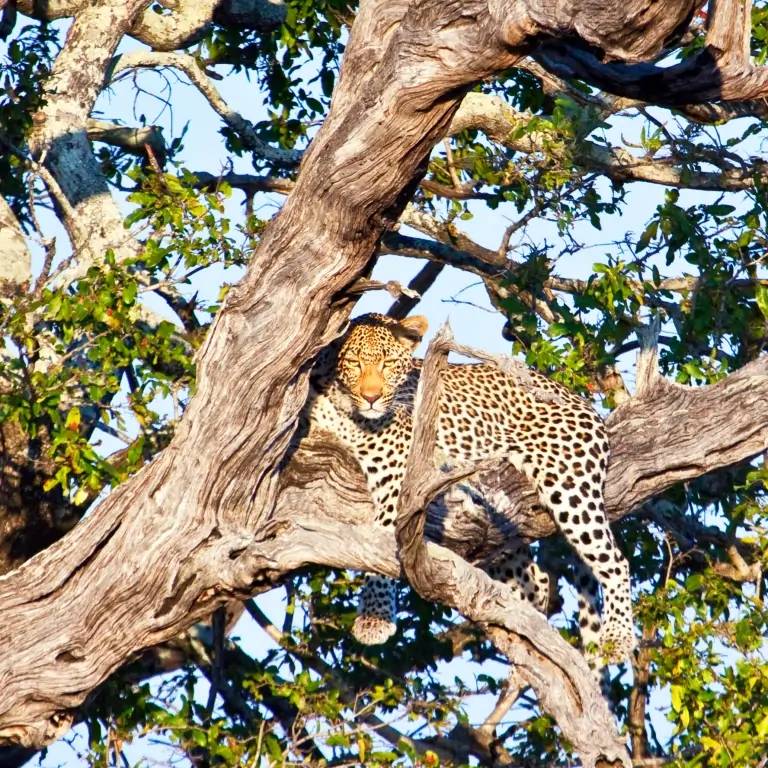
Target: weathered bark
60	139
557	672
199	525
185	25
16	261
721	70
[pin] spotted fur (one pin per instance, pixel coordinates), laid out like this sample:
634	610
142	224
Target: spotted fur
518	569
363	393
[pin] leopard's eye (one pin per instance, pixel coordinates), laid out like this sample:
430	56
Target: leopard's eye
352	366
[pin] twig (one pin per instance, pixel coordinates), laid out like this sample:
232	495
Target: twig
449	162
392	287
54	189
187	64
49	244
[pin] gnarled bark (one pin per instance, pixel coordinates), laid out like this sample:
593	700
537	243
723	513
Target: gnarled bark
184	23
16	264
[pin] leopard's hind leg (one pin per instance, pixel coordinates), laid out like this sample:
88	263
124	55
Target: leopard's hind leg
518	570
566	461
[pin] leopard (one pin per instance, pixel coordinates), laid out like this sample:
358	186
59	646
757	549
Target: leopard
362	391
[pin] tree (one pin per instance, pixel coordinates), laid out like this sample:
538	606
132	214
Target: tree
215	513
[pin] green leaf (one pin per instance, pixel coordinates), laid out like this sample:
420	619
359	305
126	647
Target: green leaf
676	693
761	297
73	419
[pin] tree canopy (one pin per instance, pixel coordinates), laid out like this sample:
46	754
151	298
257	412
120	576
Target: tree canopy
160	312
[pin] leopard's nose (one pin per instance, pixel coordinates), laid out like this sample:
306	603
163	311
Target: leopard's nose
370	386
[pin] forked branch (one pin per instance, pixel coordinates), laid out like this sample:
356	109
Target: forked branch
720	71
557	673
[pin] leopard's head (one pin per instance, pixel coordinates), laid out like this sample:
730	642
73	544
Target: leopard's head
374	360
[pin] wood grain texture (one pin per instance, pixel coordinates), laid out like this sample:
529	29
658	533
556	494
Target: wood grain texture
721	70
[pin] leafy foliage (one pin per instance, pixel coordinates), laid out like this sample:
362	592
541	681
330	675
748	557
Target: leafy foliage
25	65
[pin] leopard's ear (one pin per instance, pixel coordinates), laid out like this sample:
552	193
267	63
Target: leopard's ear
411	330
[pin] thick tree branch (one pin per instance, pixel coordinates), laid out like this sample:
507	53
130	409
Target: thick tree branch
183	24
59	139
721	70
16	261
507	126
607	104
262	15
558	674
133	140
246	182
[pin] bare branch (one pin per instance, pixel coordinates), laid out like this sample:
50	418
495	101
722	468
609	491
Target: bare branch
189	66
246	182
507	126
513	687
457	249
638	697
721	71
59	140
183	23
133	140
421	283
647	376
440	252
729	24
392	287
54	190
